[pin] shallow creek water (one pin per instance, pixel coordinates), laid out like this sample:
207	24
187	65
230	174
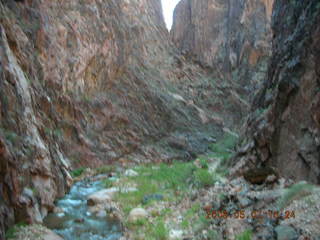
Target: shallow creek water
75	222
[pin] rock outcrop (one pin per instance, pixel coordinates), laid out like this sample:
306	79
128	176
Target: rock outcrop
85	83
232	37
283	129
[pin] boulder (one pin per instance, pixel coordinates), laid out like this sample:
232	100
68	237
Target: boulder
137	214
102	196
286	233
175	234
130	173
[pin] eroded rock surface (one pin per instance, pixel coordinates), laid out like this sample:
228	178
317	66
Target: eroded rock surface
85	83
232	37
283	127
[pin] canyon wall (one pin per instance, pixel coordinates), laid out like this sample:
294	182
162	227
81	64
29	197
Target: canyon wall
87	83
232	37
283	128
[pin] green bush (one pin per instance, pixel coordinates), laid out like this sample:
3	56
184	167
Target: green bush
77	172
203	178
204	163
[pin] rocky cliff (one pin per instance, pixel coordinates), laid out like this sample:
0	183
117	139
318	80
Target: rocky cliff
85	83
232	37
283	127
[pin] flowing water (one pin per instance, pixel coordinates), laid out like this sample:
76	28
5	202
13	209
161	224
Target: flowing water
75	222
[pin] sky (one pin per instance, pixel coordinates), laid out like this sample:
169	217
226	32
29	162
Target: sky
168	7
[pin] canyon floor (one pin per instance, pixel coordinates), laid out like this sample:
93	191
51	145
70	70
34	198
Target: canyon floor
181	200
112	127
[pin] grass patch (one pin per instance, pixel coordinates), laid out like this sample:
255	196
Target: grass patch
149	231
202	178
160	231
296	191
173	176
190	213
223	150
172	183
203	162
107	183
246	235
129	200
225	145
77	172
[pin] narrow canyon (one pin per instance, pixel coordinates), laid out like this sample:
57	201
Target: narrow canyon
113	127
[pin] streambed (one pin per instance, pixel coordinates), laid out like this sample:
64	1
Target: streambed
75	222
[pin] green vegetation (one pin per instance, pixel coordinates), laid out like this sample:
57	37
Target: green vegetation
169	182
189	215
160	231
246	235
77	172
225	145
11	232
107	183
213	235
149	231
296	191
201	223
47	131
223	150
202	178
203	162
57	133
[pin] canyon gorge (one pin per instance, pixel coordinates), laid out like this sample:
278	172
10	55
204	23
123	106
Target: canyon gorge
94	83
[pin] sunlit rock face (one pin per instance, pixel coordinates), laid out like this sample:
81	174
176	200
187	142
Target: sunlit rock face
85	83
232	37
284	125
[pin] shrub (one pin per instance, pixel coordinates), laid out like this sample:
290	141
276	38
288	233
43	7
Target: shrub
77	172
204	163
203	178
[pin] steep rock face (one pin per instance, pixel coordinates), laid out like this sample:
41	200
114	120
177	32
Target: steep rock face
283	127
85	83
232	37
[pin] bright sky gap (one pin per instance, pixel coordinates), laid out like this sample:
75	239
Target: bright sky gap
168	7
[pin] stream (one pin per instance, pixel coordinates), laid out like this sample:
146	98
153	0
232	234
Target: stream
74	222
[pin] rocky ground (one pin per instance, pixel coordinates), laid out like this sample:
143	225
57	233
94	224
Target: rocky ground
224	208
